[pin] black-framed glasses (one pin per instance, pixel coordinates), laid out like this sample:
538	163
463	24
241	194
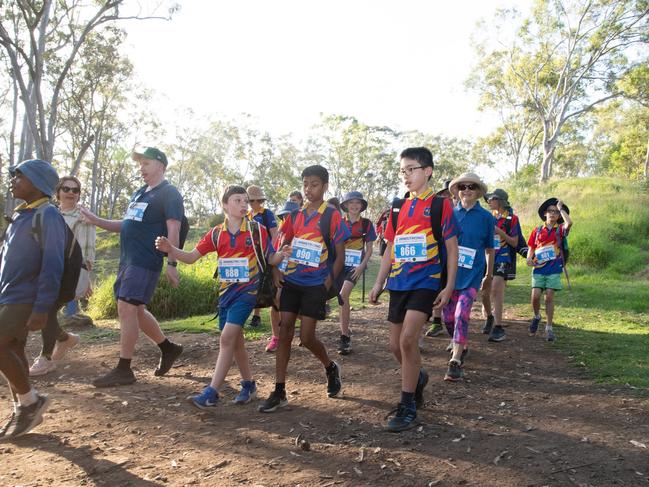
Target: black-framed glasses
407	171
554	212
67	189
494	198
471	186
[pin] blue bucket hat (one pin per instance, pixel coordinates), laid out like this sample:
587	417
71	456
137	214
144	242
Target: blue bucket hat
289	207
41	174
353	195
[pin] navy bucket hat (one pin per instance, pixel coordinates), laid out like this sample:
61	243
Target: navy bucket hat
353	195
41	174
289	207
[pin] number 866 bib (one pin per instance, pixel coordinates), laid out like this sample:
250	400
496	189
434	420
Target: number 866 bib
410	248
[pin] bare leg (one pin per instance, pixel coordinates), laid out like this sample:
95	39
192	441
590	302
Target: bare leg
345	292
227	342
241	357
283	353
536	301
408	344
549	308
309	340
150	326
498	298
129	330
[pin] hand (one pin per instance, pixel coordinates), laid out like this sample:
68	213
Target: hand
278	278
500	232
172	276
286	251
89	266
36	321
442	298
486	283
530	262
328	282
358	272
163	245
375	293
559	205
88	291
87	216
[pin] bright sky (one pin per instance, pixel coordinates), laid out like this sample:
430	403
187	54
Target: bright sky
397	63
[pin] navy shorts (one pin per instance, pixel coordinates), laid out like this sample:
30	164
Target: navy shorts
235	314
349	274
303	300
135	285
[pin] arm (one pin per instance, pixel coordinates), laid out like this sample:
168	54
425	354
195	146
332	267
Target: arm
283	253
509	240
339	263
567	222
176	254
109	225
369	248
486	282
273	233
173	235
451	272
384	271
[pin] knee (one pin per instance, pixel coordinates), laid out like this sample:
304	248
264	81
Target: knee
286	330
308	340
395	348
126	310
227	341
408	343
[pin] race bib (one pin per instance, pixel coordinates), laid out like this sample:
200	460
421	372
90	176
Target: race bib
410	248
352	258
283	265
545	254
496	242
234	270
466	257
306	252
135	211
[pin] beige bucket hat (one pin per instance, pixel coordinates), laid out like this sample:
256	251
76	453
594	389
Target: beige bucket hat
468	177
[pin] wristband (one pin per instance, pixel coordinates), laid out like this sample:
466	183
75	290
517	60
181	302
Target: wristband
172	264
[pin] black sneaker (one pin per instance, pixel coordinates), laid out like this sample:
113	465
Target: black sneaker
419	391
8	424
454	372
488	324
255	322
403	419
334	382
167	360
28	417
275	401
436	329
497	334
345	345
116	377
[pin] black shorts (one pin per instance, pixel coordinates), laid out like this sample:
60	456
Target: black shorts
13	320
303	300
504	270
349	273
417	300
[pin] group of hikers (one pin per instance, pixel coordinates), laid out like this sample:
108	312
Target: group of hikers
438	249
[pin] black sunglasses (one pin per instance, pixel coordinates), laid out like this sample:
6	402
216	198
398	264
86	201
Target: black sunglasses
67	189
471	186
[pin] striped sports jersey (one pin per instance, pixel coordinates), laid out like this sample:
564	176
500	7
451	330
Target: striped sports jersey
504	221
355	230
547	237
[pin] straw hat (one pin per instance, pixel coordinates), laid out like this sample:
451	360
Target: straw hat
468	177
255	193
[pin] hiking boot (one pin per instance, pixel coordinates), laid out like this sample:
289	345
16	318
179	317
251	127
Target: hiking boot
403	419
345	345
419	391
334	382
497	334
28	417
248	392
8	424
549	335
275	401
116	377
61	348
534	325
436	329
272	344
167	360
205	400
454	372
255	322
488	324
41	366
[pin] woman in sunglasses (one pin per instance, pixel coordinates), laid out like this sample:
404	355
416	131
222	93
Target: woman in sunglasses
57	342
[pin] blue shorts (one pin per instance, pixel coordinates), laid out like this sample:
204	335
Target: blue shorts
135	285
235	314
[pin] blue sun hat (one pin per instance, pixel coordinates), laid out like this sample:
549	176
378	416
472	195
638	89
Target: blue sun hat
353	195
289	207
41	174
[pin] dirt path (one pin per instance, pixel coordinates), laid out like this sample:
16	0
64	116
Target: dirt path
523	417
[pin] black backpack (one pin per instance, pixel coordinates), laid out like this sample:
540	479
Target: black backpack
73	259
436	208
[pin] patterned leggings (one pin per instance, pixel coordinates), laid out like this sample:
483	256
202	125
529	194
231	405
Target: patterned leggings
458	312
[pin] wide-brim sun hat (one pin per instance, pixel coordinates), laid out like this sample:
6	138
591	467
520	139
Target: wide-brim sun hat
552	202
499	194
289	207
445	186
41	174
353	195
467	177
255	193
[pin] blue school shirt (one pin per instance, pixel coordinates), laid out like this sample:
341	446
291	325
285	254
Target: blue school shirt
476	233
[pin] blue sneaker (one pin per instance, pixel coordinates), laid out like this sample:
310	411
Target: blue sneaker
206	399
403	419
534	325
497	334
248	392
549	335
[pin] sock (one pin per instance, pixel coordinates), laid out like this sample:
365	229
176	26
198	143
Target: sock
408	398
28	399
280	387
330	368
124	363
166	346
16	405
437	320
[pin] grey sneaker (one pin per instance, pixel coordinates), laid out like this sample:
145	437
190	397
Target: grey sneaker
116	377
28	417
454	372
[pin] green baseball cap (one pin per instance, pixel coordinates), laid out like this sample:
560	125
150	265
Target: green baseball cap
151	153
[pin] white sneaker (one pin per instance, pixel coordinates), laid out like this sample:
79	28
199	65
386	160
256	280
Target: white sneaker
61	348
41	366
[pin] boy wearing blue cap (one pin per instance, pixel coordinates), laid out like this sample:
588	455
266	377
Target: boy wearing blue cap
30	278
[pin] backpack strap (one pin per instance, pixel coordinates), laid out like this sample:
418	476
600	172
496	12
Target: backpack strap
325	229
365	228
266	218
216	233
436	209
396	208
255	231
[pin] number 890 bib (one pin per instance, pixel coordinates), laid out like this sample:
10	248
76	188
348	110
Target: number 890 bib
410	248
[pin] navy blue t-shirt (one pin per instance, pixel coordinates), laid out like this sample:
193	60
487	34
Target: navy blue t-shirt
145	219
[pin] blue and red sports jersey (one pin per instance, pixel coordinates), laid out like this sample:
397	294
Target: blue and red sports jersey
504	220
546	237
414	218
239	245
265	217
307	227
355	231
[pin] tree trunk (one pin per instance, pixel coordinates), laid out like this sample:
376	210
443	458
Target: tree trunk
646	162
548	157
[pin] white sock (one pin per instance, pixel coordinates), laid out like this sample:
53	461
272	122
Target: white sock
28	399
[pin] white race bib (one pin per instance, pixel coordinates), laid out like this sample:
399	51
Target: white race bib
353	258
234	270
466	257
545	254
283	265
496	242
410	248
135	211
306	252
